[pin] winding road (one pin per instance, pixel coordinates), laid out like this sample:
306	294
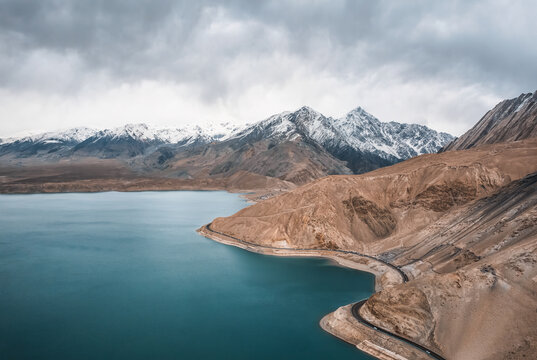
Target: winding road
396	268
356	307
356	313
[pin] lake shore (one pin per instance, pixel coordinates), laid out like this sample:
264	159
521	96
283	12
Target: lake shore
341	323
126	273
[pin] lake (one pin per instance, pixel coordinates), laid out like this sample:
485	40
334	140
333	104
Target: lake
125	276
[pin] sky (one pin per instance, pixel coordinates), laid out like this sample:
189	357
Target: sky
106	63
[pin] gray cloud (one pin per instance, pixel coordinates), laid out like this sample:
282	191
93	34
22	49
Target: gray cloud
484	50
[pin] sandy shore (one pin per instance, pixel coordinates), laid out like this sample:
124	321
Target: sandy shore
341	323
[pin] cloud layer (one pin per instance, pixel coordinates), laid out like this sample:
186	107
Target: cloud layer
105	63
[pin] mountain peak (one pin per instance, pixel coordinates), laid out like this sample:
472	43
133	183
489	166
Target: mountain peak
359	115
307	108
135	126
308	111
359	111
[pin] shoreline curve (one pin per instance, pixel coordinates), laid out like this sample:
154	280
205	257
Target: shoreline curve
382	270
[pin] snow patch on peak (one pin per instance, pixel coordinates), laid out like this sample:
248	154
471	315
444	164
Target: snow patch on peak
141	132
358	130
359	111
307	110
526	98
186	134
74	135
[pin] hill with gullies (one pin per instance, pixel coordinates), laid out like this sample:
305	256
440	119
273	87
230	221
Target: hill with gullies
462	224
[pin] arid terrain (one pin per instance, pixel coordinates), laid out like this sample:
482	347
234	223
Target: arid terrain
94	175
461	224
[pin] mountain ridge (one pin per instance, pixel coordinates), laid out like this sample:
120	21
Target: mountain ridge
510	120
294	146
170	135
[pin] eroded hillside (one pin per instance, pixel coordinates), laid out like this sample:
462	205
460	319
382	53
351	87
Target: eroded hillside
378	212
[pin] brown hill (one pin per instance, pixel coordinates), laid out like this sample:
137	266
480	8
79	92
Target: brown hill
295	161
511	120
374	212
479	284
461	224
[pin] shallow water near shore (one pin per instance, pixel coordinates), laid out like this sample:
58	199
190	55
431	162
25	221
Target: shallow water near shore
125	276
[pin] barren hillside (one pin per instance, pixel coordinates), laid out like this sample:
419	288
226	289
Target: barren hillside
461	224
375	212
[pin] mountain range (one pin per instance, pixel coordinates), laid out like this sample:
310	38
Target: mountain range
129	140
294	146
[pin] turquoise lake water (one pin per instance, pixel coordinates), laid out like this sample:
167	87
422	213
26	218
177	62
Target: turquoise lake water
125	276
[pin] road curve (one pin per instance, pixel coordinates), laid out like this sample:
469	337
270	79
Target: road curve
356	313
404	277
356	307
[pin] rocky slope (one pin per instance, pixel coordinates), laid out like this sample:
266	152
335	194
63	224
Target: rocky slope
373	212
511	120
477	297
461	224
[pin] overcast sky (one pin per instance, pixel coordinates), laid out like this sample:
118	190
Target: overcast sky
107	63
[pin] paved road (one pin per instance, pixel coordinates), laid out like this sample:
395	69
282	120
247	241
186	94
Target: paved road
356	307
356	313
396	268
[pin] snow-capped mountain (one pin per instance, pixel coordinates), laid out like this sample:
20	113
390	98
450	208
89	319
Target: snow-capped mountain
49	142
298	146
357	137
184	135
142	132
137	137
74	135
365	132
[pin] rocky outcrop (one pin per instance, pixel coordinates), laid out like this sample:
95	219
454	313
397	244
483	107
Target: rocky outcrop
442	197
380	221
403	311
